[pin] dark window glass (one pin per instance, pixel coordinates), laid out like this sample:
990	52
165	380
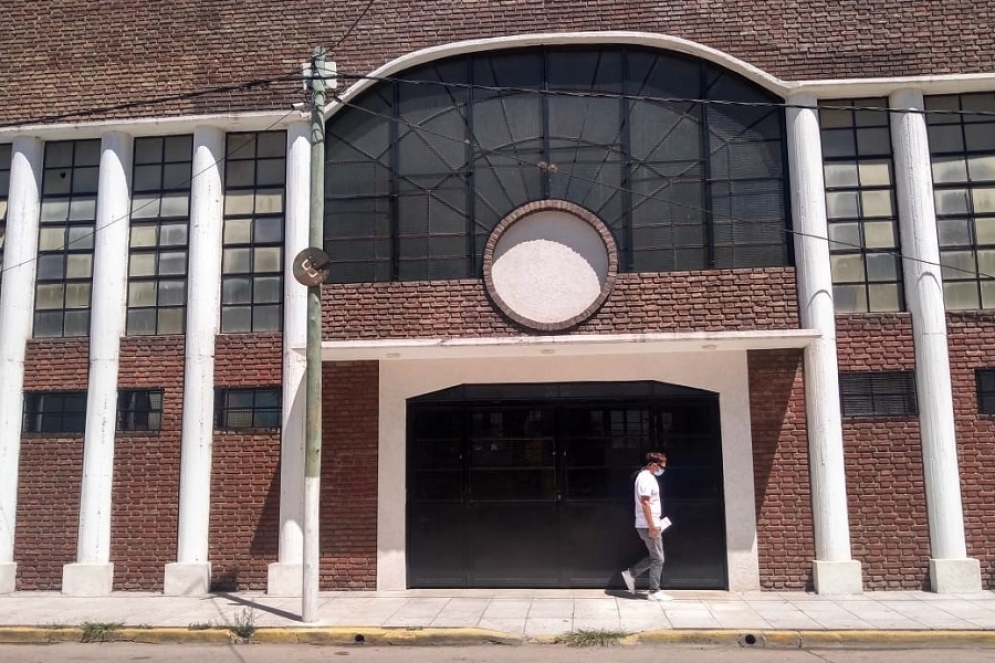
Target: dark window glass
55	412
879	394
985	378
424	167
255	407
139	410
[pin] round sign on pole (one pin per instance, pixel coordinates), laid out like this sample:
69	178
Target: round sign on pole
309	266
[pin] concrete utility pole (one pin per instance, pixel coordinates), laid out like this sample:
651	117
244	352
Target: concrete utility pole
312	435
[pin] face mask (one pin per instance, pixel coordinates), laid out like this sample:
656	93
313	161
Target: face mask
659	472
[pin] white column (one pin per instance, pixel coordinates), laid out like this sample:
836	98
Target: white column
833	570
950	569
286	575
16	304
191	573
93	573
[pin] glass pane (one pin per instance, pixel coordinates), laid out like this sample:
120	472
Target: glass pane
873	141
884	297
143	236
48	325
51	267
141	322
51	239
841	174
148	150
269	230
842	205
79	266
172	263
83	209
957	265
266	318
944	139
240	173
237	261
171	321
847	268
951	201
268	259
173	234
241	146
844	236
239	203
236	319
145	207
172	293
269	202
49	296
176	176
838	143
142	264
271	172
954	232
876	203
986	263
54	210
77	295
982	167
984	228
984	201
178	148
236	291
56	182
881	267
175	205
875	173
59	154
961	296
238	231
148	178
141	293
268	289
76	323
271	144
988	294
879	235
85	180
949	169
80	237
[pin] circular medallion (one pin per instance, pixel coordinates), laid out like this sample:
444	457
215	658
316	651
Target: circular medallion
550	265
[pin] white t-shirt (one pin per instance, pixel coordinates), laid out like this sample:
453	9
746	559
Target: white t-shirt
646	484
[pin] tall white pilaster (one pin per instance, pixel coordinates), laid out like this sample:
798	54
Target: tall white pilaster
16	303
950	570
833	569
191	573
93	573
285	576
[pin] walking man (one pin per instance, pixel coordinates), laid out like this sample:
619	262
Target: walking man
649	512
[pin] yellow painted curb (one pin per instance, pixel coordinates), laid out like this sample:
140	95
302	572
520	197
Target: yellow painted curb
385	636
815	639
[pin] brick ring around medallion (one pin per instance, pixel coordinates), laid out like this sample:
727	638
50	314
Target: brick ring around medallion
550	265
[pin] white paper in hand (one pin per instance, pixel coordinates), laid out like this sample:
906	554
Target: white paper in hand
664	524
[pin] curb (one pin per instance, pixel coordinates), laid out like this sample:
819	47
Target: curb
760	639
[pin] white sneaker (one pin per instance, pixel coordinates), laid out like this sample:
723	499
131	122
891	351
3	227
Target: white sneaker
659	596
630	582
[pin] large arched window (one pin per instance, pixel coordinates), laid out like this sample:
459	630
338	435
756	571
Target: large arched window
684	161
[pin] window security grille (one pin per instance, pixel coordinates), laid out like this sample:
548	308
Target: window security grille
985	378
879	394
139	410
55	412
257	407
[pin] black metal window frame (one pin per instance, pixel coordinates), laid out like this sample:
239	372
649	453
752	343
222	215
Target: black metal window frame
878	394
54	412
255	204
64	281
861	206
420	181
962	148
985	382
247	408
160	231
140	410
5	163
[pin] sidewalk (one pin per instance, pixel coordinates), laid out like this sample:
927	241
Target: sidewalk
517	616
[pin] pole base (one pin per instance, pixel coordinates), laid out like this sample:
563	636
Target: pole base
955	576
187	579
87	579
836	578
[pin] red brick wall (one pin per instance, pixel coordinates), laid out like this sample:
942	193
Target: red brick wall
245	483
147	467
662	302
51	469
111	43
785	537
350	405
971	338
885	493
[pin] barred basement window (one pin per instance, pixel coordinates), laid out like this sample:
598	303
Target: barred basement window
879	394
985	378
4	192
252	266
160	221
55	412
860	203
962	146
139	410
65	238
257	407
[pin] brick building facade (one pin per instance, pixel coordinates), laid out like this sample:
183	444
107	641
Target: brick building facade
793	296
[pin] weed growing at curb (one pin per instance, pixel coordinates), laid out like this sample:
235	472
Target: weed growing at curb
97	631
593	638
200	626
245	624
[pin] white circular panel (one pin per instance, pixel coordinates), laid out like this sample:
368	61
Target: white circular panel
550	268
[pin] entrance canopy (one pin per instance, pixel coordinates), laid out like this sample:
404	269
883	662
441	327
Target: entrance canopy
566	346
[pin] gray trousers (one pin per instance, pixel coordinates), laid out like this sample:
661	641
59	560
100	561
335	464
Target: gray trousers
653	562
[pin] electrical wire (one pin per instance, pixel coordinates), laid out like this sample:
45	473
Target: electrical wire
544	165
352	27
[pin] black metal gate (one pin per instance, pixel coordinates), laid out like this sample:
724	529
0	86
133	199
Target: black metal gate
531	485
